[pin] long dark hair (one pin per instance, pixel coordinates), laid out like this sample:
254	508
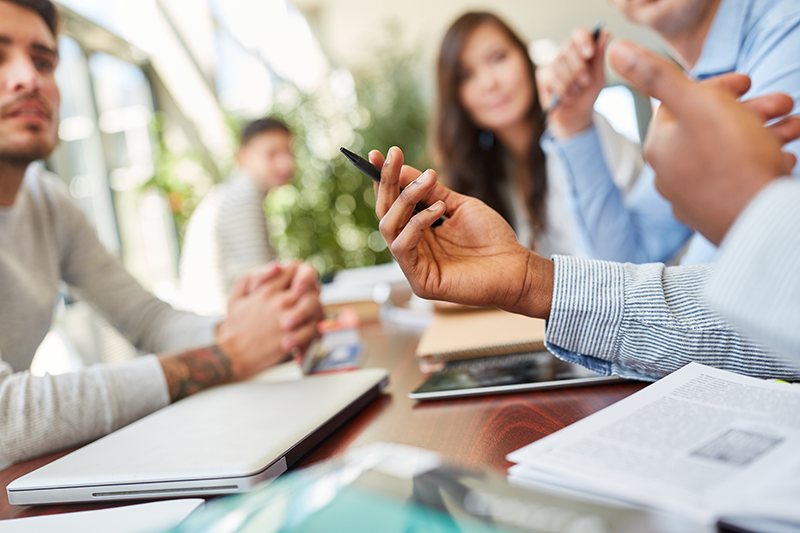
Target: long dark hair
472	160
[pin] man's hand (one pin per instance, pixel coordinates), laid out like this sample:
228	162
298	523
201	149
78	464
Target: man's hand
272	313
712	154
577	76
473	258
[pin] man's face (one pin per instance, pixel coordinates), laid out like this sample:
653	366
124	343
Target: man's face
667	17
29	97
268	159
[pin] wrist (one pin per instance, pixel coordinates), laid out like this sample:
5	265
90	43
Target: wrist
226	343
535	297
192	371
566	129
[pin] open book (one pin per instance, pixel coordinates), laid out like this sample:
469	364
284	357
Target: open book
702	444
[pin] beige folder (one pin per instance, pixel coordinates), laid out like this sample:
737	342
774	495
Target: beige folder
479	333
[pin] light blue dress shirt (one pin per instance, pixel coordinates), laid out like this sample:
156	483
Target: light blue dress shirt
760	38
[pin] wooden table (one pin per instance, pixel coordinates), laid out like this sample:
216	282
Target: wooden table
469	432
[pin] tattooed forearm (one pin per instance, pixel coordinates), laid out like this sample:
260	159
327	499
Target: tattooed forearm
195	370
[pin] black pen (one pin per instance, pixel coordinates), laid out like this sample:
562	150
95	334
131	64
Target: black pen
598	26
374	173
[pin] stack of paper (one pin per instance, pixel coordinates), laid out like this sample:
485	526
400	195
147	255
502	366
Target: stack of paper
702	444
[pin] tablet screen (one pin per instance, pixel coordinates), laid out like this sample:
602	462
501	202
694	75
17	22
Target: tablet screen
510	373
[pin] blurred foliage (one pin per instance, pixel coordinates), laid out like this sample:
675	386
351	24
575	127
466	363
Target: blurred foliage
327	215
181	176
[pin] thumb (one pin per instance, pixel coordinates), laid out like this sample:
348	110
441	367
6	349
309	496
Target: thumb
651	75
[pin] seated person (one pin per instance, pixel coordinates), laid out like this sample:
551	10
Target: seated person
488	128
636	321
227	235
759	38
46	240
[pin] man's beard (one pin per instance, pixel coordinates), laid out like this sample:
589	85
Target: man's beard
25	153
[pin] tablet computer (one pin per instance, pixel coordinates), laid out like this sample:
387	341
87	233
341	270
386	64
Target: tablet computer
506	374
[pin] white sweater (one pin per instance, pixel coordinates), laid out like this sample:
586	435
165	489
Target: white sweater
46	240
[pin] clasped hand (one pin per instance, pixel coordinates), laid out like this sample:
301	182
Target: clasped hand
272	312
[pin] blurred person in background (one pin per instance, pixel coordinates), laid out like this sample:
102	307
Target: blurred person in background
227	235
760	38
46	241
488	128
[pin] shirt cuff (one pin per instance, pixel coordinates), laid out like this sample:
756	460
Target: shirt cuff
586	316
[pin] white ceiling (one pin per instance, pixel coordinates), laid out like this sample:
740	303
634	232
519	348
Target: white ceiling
346	28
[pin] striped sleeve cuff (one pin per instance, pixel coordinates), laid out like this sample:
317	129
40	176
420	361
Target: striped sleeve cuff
587	313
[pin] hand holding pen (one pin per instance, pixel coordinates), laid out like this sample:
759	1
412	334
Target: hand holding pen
570	84
374	173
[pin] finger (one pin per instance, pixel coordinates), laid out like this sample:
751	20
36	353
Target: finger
578	66
389	188
399	214
598	64
560	78
583	40
789	161
653	76
733	82
786	130
262	275
771	106
279	283
240	288
305	279
298	340
404	247
377	159
308	308
408	174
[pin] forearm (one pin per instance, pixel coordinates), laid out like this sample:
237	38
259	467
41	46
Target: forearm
755	284
148	323
645	321
42	414
638	227
192	371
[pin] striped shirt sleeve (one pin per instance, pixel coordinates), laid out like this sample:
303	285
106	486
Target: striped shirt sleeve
759	258
646	321
241	231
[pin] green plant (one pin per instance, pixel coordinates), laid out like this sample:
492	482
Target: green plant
181	177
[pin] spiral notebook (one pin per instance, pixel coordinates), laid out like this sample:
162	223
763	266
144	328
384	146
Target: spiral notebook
479	333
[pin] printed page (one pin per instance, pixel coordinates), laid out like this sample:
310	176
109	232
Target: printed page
700	441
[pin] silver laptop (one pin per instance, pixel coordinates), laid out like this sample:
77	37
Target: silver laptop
223	440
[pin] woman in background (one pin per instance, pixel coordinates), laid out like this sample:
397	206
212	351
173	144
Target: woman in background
490	132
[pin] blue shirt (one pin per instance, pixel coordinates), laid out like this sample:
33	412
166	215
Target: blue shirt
760	38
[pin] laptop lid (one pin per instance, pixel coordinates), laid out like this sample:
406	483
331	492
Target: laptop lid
221	441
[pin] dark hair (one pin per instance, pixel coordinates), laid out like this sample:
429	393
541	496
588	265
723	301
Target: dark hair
472	159
45	9
263	125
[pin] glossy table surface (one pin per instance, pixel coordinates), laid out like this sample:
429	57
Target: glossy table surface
469	432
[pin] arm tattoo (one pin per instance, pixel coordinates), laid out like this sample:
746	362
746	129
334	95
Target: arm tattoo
195	370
